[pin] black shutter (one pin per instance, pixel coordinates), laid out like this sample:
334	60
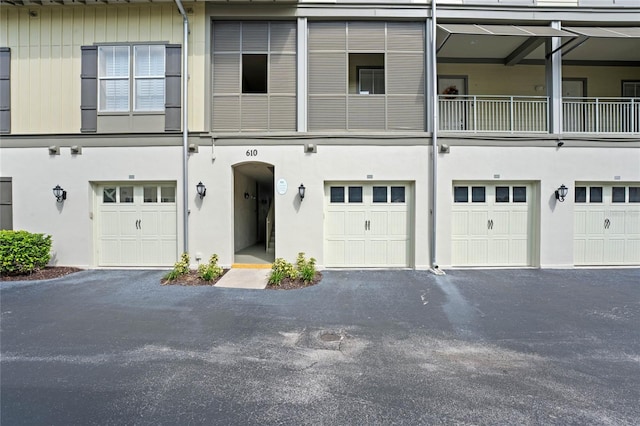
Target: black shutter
89	90
173	84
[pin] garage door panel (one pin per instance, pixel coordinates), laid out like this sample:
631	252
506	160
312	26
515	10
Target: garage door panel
519	252
336	252
336	222
478	223
139	229
355	252
460	224
519	223
611	229
478	252
498	251
367	227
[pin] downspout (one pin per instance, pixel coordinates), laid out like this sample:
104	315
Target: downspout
434	134
185	126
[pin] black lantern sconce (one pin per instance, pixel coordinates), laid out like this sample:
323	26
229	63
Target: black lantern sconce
301	191
202	190
561	193
59	193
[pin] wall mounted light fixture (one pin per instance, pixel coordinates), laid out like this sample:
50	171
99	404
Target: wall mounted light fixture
561	193
301	191
59	193
202	190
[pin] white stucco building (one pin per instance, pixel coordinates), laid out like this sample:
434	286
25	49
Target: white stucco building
350	100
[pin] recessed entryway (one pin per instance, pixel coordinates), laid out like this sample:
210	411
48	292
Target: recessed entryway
492	224
254	230
136	224
368	224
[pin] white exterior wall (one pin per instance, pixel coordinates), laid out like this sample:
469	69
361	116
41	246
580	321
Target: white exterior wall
548	168
71	223
299	226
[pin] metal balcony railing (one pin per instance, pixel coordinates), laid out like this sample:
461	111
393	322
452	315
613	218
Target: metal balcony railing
530	114
601	115
508	114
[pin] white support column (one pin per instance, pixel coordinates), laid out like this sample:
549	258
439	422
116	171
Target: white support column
301	93
553	70
430	68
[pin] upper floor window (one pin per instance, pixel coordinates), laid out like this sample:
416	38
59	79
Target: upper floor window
366	73
371	81
131	72
631	89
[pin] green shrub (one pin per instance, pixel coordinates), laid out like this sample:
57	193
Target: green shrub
211	270
22	252
306	268
179	269
280	270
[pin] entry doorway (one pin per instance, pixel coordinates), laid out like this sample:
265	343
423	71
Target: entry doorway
253	213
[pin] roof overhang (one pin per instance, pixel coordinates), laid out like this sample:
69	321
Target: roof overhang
508	44
604	45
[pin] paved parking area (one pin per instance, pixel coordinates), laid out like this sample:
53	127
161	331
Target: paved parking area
371	347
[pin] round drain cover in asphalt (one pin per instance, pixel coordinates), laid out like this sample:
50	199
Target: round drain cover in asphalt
330	337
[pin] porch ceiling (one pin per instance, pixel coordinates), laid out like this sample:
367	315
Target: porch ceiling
510	44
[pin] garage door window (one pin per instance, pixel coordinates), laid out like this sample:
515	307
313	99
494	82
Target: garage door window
355	194
634	194
337	194
519	194
397	194
478	194
150	194
618	194
126	194
461	194
595	194
502	194
167	194
581	194
379	194
109	195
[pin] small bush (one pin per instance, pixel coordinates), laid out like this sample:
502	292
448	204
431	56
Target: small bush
306	268
211	270
179	269
22	252
280	270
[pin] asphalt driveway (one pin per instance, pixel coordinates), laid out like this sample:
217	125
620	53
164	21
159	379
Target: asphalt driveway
376	347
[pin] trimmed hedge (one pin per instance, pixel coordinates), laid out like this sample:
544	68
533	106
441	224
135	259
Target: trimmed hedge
23	253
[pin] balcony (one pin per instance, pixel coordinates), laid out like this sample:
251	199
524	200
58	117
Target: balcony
530	114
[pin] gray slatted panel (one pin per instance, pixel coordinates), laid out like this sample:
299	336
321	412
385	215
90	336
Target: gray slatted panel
6	200
327	36
282	75
5	90
283	37
226	73
226	113
89	89
327	113
327	73
405	36
255	112
255	36
405	74
405	113
226	36
173	86
366	112
366	36
282	113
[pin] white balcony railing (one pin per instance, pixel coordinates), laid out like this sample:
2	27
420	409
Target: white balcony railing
508	114
530	114
601	115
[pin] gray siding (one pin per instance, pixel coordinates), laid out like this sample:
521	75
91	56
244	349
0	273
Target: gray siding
333	107
5	90
231	109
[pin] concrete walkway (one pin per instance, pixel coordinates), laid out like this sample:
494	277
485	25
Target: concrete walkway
245	278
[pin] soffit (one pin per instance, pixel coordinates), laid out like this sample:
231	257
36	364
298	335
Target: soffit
603	44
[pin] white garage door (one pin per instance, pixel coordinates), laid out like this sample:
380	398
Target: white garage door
492	224
367	225
136	225
607	224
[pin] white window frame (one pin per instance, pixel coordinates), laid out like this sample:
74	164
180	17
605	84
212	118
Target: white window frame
376	73
131	77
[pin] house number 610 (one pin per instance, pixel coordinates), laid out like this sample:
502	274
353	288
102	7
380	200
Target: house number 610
252	152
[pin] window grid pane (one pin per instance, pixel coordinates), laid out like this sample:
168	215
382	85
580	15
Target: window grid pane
149	61
595	194
355	194
618	194
113	61
379	194
634	194
126	194
397	194
478	194
337	194
167	194
460	194
502	194
150	194
149	94
109	195
519	194
581	194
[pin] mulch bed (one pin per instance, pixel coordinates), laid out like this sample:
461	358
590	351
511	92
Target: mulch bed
289	284
192	278
48	273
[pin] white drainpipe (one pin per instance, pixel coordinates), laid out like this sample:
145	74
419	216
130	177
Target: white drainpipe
434	148
185	125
